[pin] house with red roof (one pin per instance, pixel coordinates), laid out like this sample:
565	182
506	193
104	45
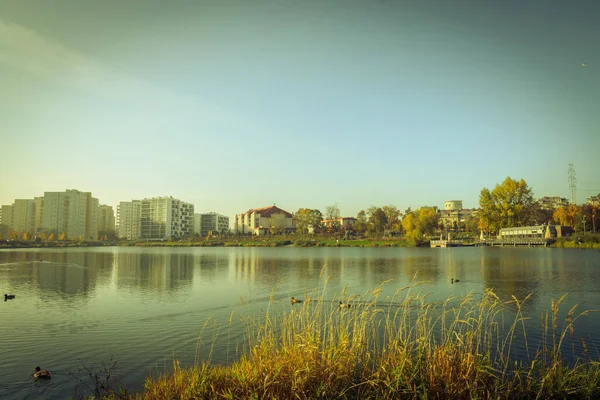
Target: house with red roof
265	220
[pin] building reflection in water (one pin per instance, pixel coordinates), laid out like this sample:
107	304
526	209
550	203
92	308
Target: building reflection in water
153	271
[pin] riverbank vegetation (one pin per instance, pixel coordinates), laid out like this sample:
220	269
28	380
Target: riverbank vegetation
399	347
587	241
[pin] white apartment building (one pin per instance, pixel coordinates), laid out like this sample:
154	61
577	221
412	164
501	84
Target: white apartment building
157	218
210	222
71	212
165	217
129	214
260	221
106	218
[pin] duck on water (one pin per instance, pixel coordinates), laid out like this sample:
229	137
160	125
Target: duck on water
8	296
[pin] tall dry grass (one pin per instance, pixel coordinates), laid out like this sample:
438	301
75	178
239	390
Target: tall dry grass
400	347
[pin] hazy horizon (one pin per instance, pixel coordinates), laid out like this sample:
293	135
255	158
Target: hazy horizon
232	105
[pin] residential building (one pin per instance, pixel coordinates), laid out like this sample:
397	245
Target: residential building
7	216
259	221
210	222
552	203
71	212
594	200
129	215
106	218
165	217
343	222
39	210
23	216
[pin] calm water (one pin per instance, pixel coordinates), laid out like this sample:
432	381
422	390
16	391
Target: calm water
147	306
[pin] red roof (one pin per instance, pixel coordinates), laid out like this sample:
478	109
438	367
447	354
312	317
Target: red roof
268	211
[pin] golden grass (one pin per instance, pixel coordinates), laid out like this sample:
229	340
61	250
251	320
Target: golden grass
405	347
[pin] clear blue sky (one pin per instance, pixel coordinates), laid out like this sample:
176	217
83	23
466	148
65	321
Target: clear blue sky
232	105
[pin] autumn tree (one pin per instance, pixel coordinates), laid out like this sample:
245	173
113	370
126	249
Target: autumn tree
417	224
567	216
306	218
508	205
62	237
26	236
52	237
333	213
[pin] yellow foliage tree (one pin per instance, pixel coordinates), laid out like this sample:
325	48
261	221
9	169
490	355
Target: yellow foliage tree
566	216
63	236
417	224
26	236
52	237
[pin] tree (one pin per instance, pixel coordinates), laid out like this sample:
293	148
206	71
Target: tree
305	218
417	224
392	215
567	216
333	213
52	237
377	221
26	236
63	236
508	205
361	222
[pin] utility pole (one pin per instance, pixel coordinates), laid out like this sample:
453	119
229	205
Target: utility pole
572	183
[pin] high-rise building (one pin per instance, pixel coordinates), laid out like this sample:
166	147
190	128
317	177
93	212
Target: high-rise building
129	215
166	217
71	212
106	218
7	216
23	216
210	222
39	210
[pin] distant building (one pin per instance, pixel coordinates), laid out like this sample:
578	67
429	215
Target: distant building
454	215
129	215
166	217
23	216
552	203
71	212
106	218
210	222
344	222
594	200
260	221
7	216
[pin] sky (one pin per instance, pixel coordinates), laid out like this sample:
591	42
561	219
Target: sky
232	105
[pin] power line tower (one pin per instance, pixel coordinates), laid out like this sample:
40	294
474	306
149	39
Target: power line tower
572	183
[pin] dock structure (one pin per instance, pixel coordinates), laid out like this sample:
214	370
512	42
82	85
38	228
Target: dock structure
524	242
446	243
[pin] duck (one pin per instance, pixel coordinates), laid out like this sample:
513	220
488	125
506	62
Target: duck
8	296
452	280
344	305
41	374
294	300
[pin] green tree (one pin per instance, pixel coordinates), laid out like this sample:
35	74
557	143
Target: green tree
392	215
306	218
377	221
361	222
508	205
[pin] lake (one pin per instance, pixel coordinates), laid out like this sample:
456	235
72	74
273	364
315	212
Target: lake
145	307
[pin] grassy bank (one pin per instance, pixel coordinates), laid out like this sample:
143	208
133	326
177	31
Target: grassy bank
403	347
588	241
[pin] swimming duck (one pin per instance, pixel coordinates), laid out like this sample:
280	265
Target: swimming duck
293	300
41	374
344	305
9	296
452	280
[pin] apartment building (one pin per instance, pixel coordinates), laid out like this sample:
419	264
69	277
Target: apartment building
210	222
157	218
129	215
106	218
23	216
6	217
71	212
